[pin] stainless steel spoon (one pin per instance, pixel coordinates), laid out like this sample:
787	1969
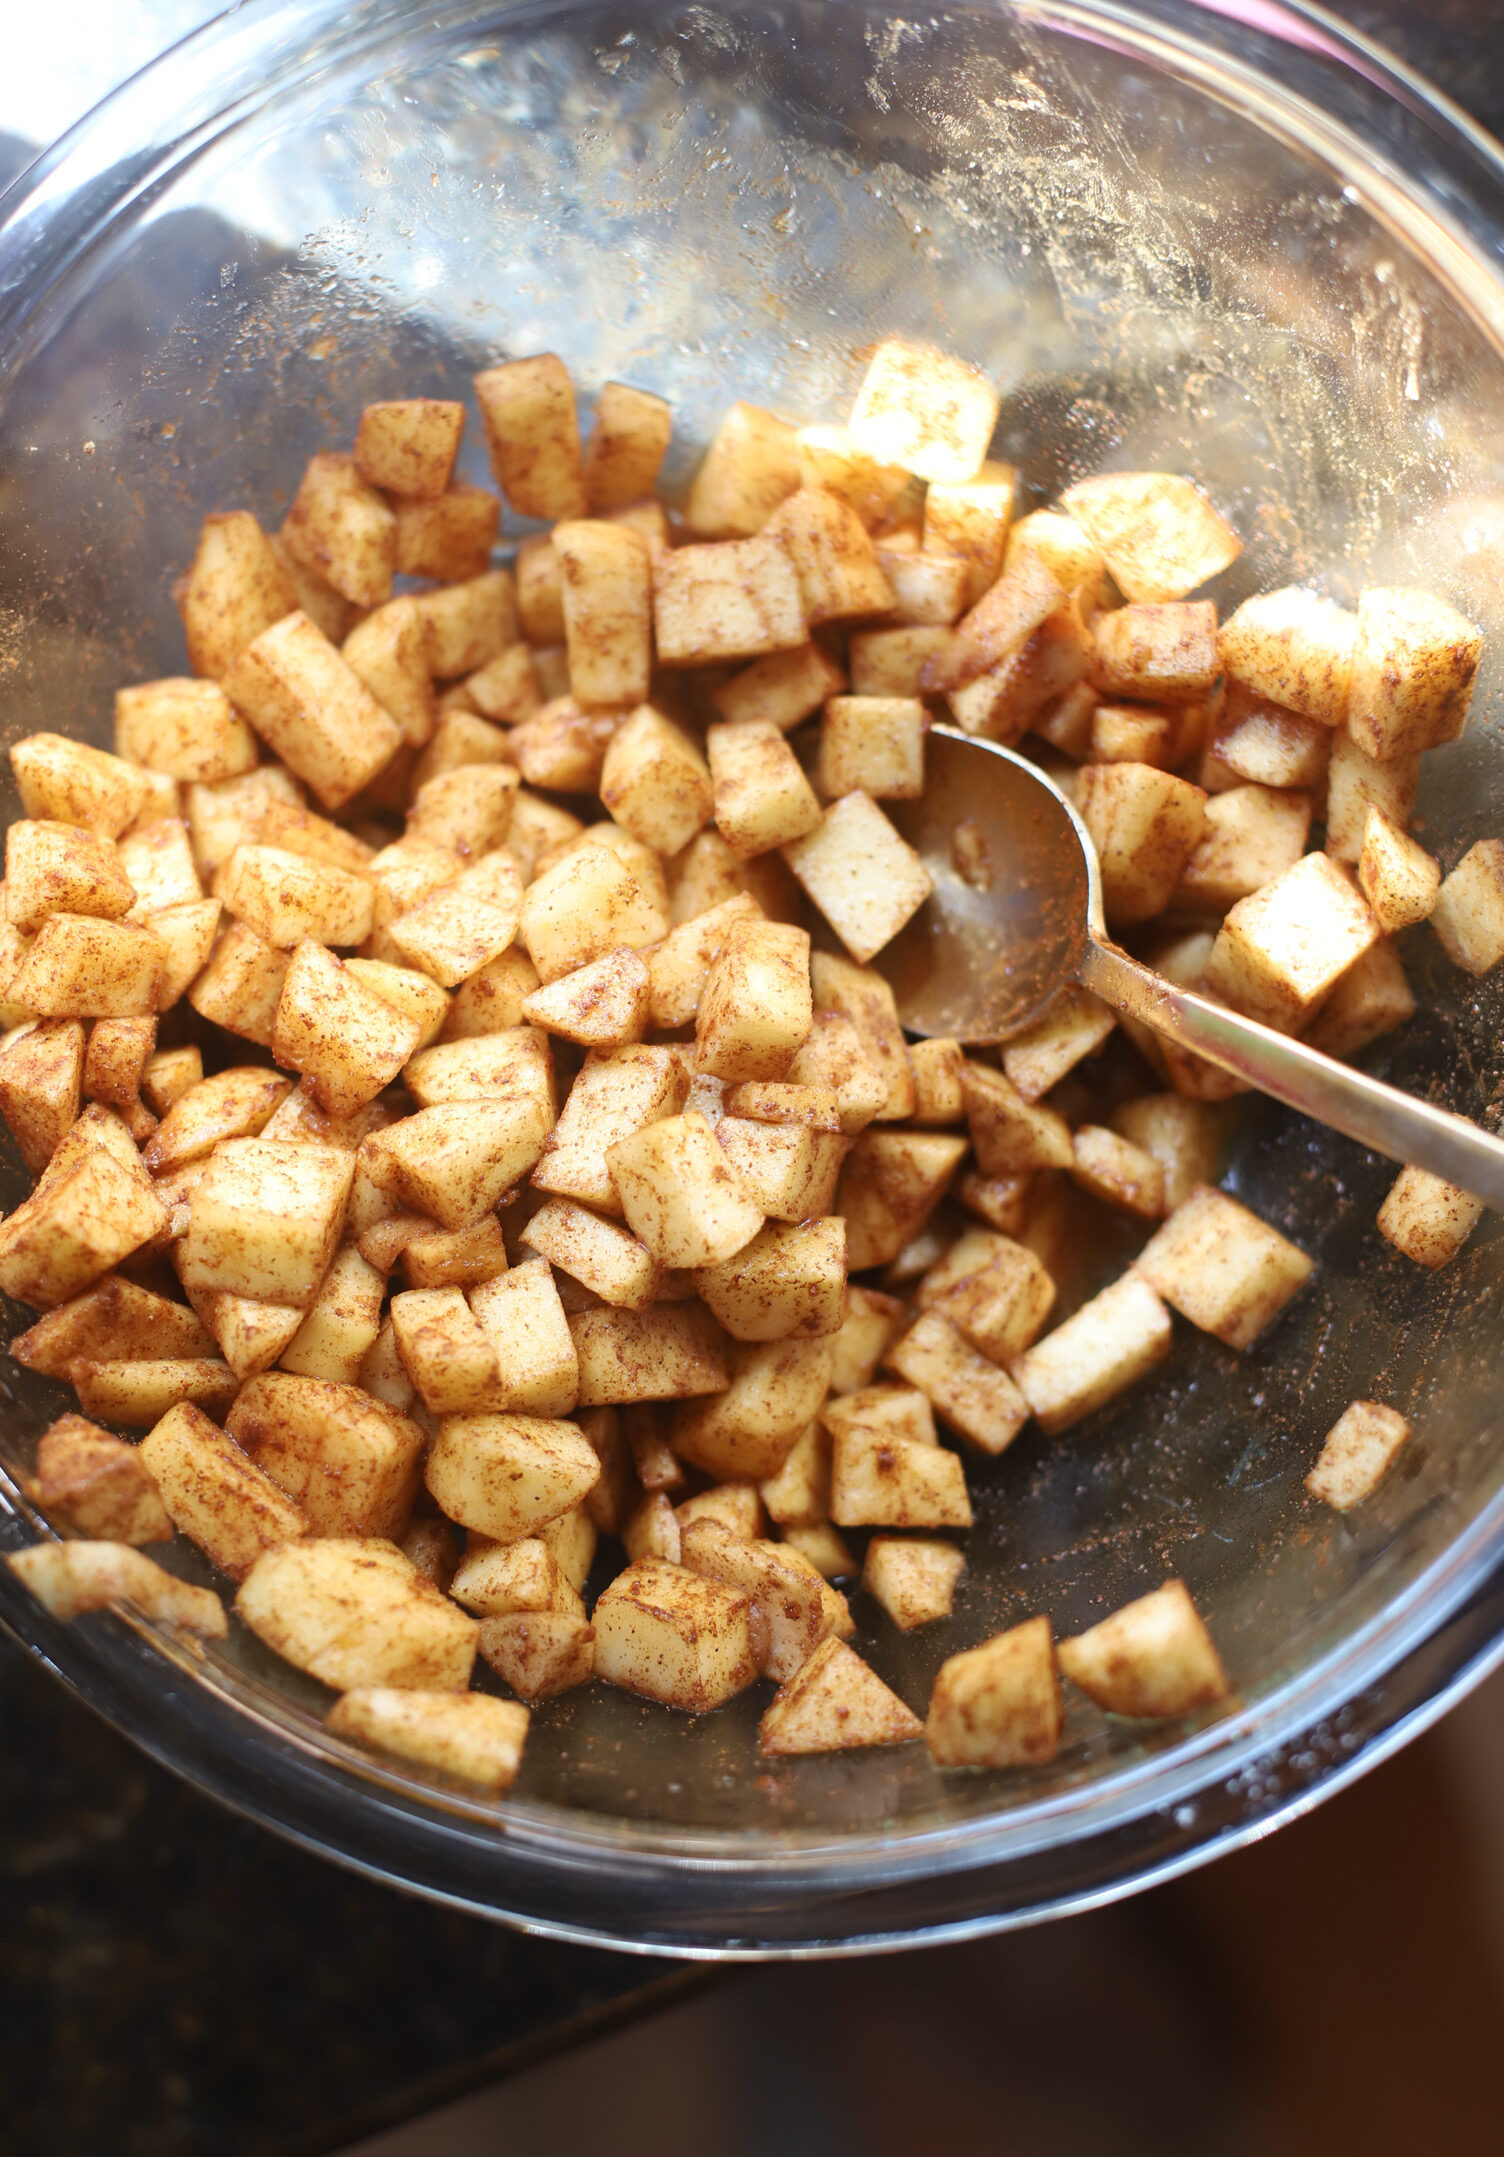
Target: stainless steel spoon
982	957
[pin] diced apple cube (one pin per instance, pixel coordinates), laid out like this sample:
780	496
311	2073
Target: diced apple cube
1355	784
750	467
342	1323
999	1705
973	1395
838	571
340	528
834	1703
1399	879
358	1613
101	1486
69	1578
449	536
586	905
41	1078
1294	648
924	410
829	458
508	1475
407	445
265	1220
1154	1657
1184	1137
882	1481
456	1161
87	1218
746	1432
626	446
470	1737
1119	1172
928	589
789	1282
1412	672
739	599
1222	1267
469	624
1158	534
608	620
491	1000
874	745
1074	1026
1360	1449
1145	825
671	1351
891	1183
80	967
537	1367
1427	1219
674	1636
864	878
446	1351
215	1494
235	589
527	408
1008	1132
1280	950
761	798
1253	834
681	1196
603	1005
902	662
1105	1347
596	1252
313	709
756	1009
614	1096
655	781
968	520
782	689
914	1578
1265	745
1468	914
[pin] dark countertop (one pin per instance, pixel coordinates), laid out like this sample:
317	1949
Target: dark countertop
178	1981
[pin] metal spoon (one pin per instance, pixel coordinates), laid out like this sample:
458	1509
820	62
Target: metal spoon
982	958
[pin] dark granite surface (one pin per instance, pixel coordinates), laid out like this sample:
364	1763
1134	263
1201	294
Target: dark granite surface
176	1981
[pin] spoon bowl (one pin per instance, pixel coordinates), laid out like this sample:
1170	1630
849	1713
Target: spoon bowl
1016	914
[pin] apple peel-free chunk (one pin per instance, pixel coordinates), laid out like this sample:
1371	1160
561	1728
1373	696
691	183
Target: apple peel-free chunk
1101	1350
674	1636
1360	1449
1396	875
349	1461
925	410
998	1705
681	1196
881	1481
509	1475
265	1219
1223	1268
788	1283
1281	949
973	1394
739	599
101	1486
70	1578
746	1432
1427	1219
1157	532
834	1703
218	1497
538	1371
670	1351
914	1578
866	880
1412	674
470	1737
1154	1657
1468	914
456	1161
356	1613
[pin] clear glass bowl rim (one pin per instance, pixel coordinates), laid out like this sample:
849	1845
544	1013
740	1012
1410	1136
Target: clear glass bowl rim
51	219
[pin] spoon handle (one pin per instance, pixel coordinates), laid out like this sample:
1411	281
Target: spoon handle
1377	1116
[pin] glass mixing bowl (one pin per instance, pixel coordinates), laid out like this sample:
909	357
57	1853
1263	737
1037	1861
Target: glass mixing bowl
1248	249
